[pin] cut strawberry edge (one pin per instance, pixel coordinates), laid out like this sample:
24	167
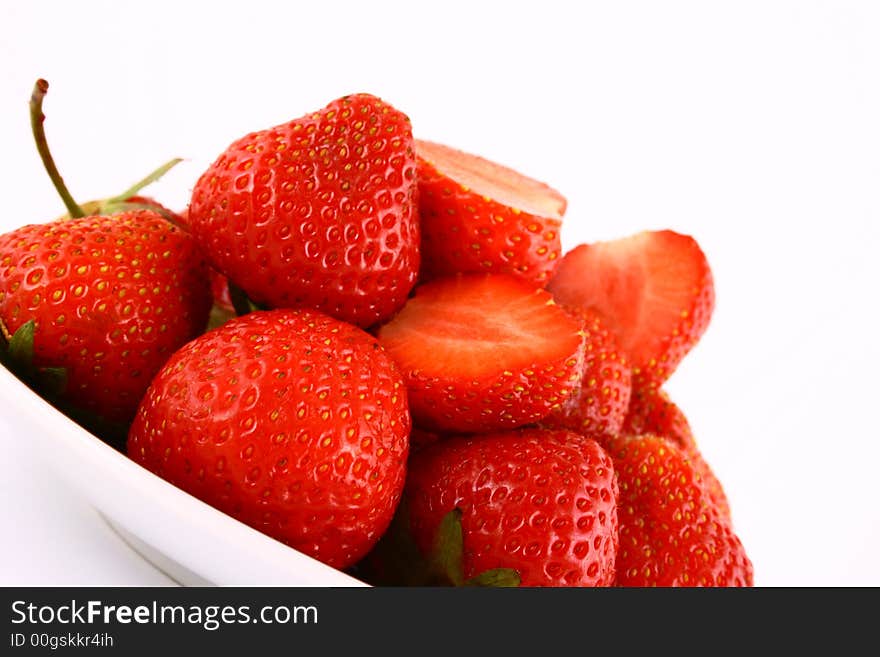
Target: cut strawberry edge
646	287
493	181
472	326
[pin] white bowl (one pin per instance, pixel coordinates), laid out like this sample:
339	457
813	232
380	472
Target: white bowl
186	538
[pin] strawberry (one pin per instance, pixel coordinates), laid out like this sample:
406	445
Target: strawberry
541	503
651	411
483	353
289	420
481	217
654	290
319	212
671	533
220	291
90	307
599	403
110	298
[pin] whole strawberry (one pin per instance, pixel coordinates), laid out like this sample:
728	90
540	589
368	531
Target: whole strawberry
651	411
289	420
110	298
319	212
481	217
91	307
541	503
671	533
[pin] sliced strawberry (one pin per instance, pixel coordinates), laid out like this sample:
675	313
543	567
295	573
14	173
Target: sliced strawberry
481	217
652	412
483	352
599	403
653	289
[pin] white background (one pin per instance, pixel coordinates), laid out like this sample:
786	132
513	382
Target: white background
754	126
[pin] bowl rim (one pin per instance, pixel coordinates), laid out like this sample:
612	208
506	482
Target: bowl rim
259	559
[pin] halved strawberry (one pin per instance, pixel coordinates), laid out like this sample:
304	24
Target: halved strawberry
653	289
481	217
600	402
483	352
653	412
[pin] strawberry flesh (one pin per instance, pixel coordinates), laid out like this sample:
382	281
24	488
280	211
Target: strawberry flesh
483	352
653	289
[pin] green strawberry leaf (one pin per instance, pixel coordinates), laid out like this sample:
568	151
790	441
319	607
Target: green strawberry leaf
496	577
20	349
397	561
148	180
449	549
17	353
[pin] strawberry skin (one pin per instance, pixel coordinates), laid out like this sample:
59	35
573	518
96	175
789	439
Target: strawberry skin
483	353
599	404
320	212
671	534
652	412
112	299
481	217
290	421
654	290
541	502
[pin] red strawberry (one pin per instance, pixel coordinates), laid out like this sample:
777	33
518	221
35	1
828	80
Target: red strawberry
651	411
483	353
111	299
289	420
654	290
220	291
540	502
599	404
319	212
671	533
481	217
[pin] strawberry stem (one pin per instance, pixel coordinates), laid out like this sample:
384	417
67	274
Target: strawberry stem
37	118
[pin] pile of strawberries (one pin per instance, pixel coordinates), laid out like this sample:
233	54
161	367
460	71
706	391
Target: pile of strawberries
404	376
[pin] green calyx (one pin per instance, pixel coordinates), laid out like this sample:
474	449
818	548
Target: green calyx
397	560
128	200
448	553
17	354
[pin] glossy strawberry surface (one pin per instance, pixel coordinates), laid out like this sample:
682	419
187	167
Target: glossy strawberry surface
112	298
653	412
289	420
671	533
538	501
319	212
481	217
